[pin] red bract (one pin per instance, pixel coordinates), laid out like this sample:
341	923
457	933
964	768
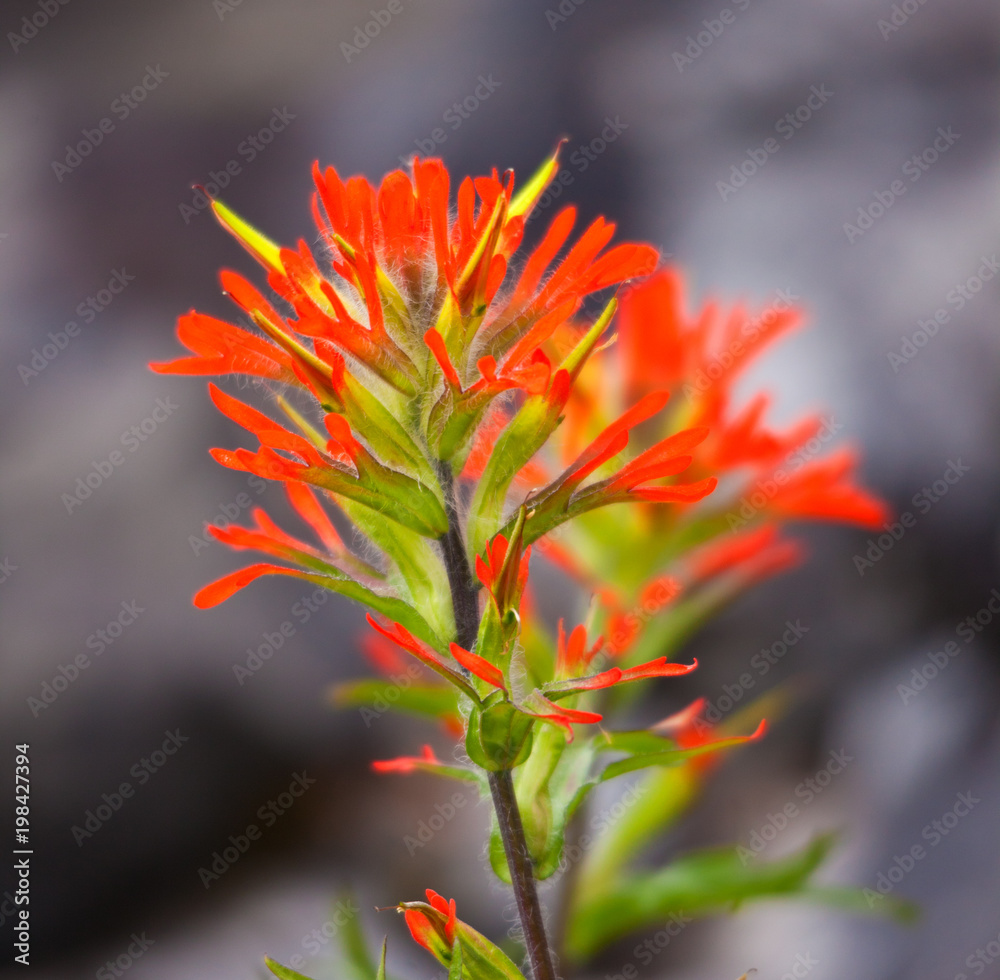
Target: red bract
436	933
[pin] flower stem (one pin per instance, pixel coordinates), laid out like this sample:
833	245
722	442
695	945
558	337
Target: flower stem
466	607
522	875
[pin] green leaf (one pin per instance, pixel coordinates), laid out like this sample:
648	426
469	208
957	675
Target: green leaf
418	563
639	742
569	787
380	973
524	435
395	609
386	436
455	970
668	757
386	491
532	784
577	357
283	972
259	246
697	884
551	787
659	798
524	200
481	959
859	900
355	945
424	700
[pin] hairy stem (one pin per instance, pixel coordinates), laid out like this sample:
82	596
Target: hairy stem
466	606
522	875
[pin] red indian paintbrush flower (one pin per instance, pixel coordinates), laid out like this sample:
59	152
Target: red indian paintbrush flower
394	346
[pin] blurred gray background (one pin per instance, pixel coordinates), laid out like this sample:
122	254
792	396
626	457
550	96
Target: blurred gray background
886	80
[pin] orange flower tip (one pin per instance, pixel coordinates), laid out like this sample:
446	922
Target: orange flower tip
405	764
221	589
681	721
760	732
479	666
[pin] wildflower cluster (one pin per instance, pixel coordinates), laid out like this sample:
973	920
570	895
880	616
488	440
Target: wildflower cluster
457	410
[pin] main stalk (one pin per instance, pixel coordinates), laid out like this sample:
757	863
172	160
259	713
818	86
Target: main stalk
466	605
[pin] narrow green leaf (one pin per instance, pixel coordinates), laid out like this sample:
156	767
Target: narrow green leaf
668	757
258	245
455	970
395	609
386	436
657	800
481	959
354	944
524	435
424	700
861	901
283	972
418	563
697	884
380	973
